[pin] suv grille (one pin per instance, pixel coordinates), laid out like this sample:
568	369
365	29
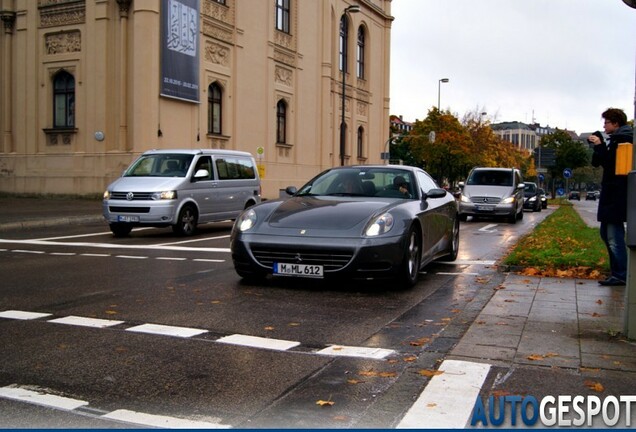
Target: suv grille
485	200
330	260
137	196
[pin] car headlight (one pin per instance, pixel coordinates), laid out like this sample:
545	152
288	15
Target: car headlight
246	220
533	199
464	198
508	200
106	195
165	195
380	225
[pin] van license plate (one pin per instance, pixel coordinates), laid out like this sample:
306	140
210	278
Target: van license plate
485	208
302	270
126	218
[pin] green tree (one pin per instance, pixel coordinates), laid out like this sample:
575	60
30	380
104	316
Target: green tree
570	153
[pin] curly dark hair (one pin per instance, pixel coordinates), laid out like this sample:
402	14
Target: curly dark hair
615	115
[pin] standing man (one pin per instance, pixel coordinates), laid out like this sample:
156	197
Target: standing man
612	207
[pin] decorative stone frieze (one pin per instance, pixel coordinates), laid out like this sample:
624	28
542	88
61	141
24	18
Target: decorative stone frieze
61	12
214	31
217	53
65	42
218	11
283	76
8	19
284	57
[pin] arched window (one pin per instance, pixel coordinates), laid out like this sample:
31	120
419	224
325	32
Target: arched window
360	53
282	15
360	142
215	109
344	37
63	100
281	122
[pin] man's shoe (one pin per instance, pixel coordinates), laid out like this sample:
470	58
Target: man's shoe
612	281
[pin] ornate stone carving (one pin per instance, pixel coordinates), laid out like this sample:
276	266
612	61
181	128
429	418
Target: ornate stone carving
8	19
66	42
61	12
217	53
283	76
283	57
124	6
212	30
219	12
363	109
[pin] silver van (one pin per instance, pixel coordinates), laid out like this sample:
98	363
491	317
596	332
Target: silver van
181	189
494	192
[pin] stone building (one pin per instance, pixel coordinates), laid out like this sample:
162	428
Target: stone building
88	85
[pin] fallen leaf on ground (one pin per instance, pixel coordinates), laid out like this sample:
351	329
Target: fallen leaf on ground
326	403
430	372
596	386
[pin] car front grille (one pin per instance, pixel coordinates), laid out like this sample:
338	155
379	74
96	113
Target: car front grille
331	260
485	200
135	196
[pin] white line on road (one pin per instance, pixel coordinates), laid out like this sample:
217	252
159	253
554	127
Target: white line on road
116	246
449	398
488	228
258	342
27	251
86	322
131	256
160	421
351	351
39	398
159	329
22	315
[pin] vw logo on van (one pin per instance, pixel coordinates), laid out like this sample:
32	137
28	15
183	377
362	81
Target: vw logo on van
130	196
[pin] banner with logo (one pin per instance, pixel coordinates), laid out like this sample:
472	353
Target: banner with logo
180	49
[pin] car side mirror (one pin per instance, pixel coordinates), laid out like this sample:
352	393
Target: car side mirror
434	193
521	186
291	190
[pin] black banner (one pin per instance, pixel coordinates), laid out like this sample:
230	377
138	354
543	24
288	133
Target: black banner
180	49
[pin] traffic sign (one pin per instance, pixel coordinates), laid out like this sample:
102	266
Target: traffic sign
541	177
567	173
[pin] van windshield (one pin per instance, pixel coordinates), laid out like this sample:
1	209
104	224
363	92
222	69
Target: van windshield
160	165
490	178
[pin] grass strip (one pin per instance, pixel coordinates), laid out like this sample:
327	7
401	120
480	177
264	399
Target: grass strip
563	245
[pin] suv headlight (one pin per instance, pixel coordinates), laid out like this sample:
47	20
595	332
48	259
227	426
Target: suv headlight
165	195
106	195
464	198
508	200
246	220
380	225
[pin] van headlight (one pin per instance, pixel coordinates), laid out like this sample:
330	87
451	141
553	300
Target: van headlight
508	200
106	195
246	220
380	225
165	195
464	198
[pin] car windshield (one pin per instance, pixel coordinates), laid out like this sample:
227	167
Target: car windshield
160	165
490	178
530	188
362	182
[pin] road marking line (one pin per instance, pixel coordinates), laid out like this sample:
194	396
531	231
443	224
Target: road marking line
457	274
159	329
116	246
86	322
195	240
27	251
468	262
487	228
131	256
171	258
351	351
449	398
64	253
160	421
258	342
22	315
38	398
208	260
95	255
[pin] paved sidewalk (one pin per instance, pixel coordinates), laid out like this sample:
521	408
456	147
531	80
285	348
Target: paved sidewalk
565	323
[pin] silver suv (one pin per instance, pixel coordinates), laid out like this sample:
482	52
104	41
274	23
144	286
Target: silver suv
182	189
494	192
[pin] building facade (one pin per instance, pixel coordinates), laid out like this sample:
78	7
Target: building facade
519	134
85	86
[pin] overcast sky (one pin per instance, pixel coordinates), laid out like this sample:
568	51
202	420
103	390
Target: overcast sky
560	63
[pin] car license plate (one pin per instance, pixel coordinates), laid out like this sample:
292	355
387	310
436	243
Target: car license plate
485	208
303	270
126	218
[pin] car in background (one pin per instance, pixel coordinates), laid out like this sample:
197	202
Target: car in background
531	197
492	192
574	195
591	195
359	222
544	198
182	189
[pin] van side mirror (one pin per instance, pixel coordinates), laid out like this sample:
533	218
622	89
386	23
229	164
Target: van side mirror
202	173
521	186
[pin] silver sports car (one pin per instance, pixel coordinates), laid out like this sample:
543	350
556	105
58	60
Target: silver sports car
362	222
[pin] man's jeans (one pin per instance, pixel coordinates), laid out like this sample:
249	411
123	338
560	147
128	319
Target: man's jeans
613	235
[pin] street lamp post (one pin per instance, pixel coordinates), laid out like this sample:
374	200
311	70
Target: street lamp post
439	87
344	48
